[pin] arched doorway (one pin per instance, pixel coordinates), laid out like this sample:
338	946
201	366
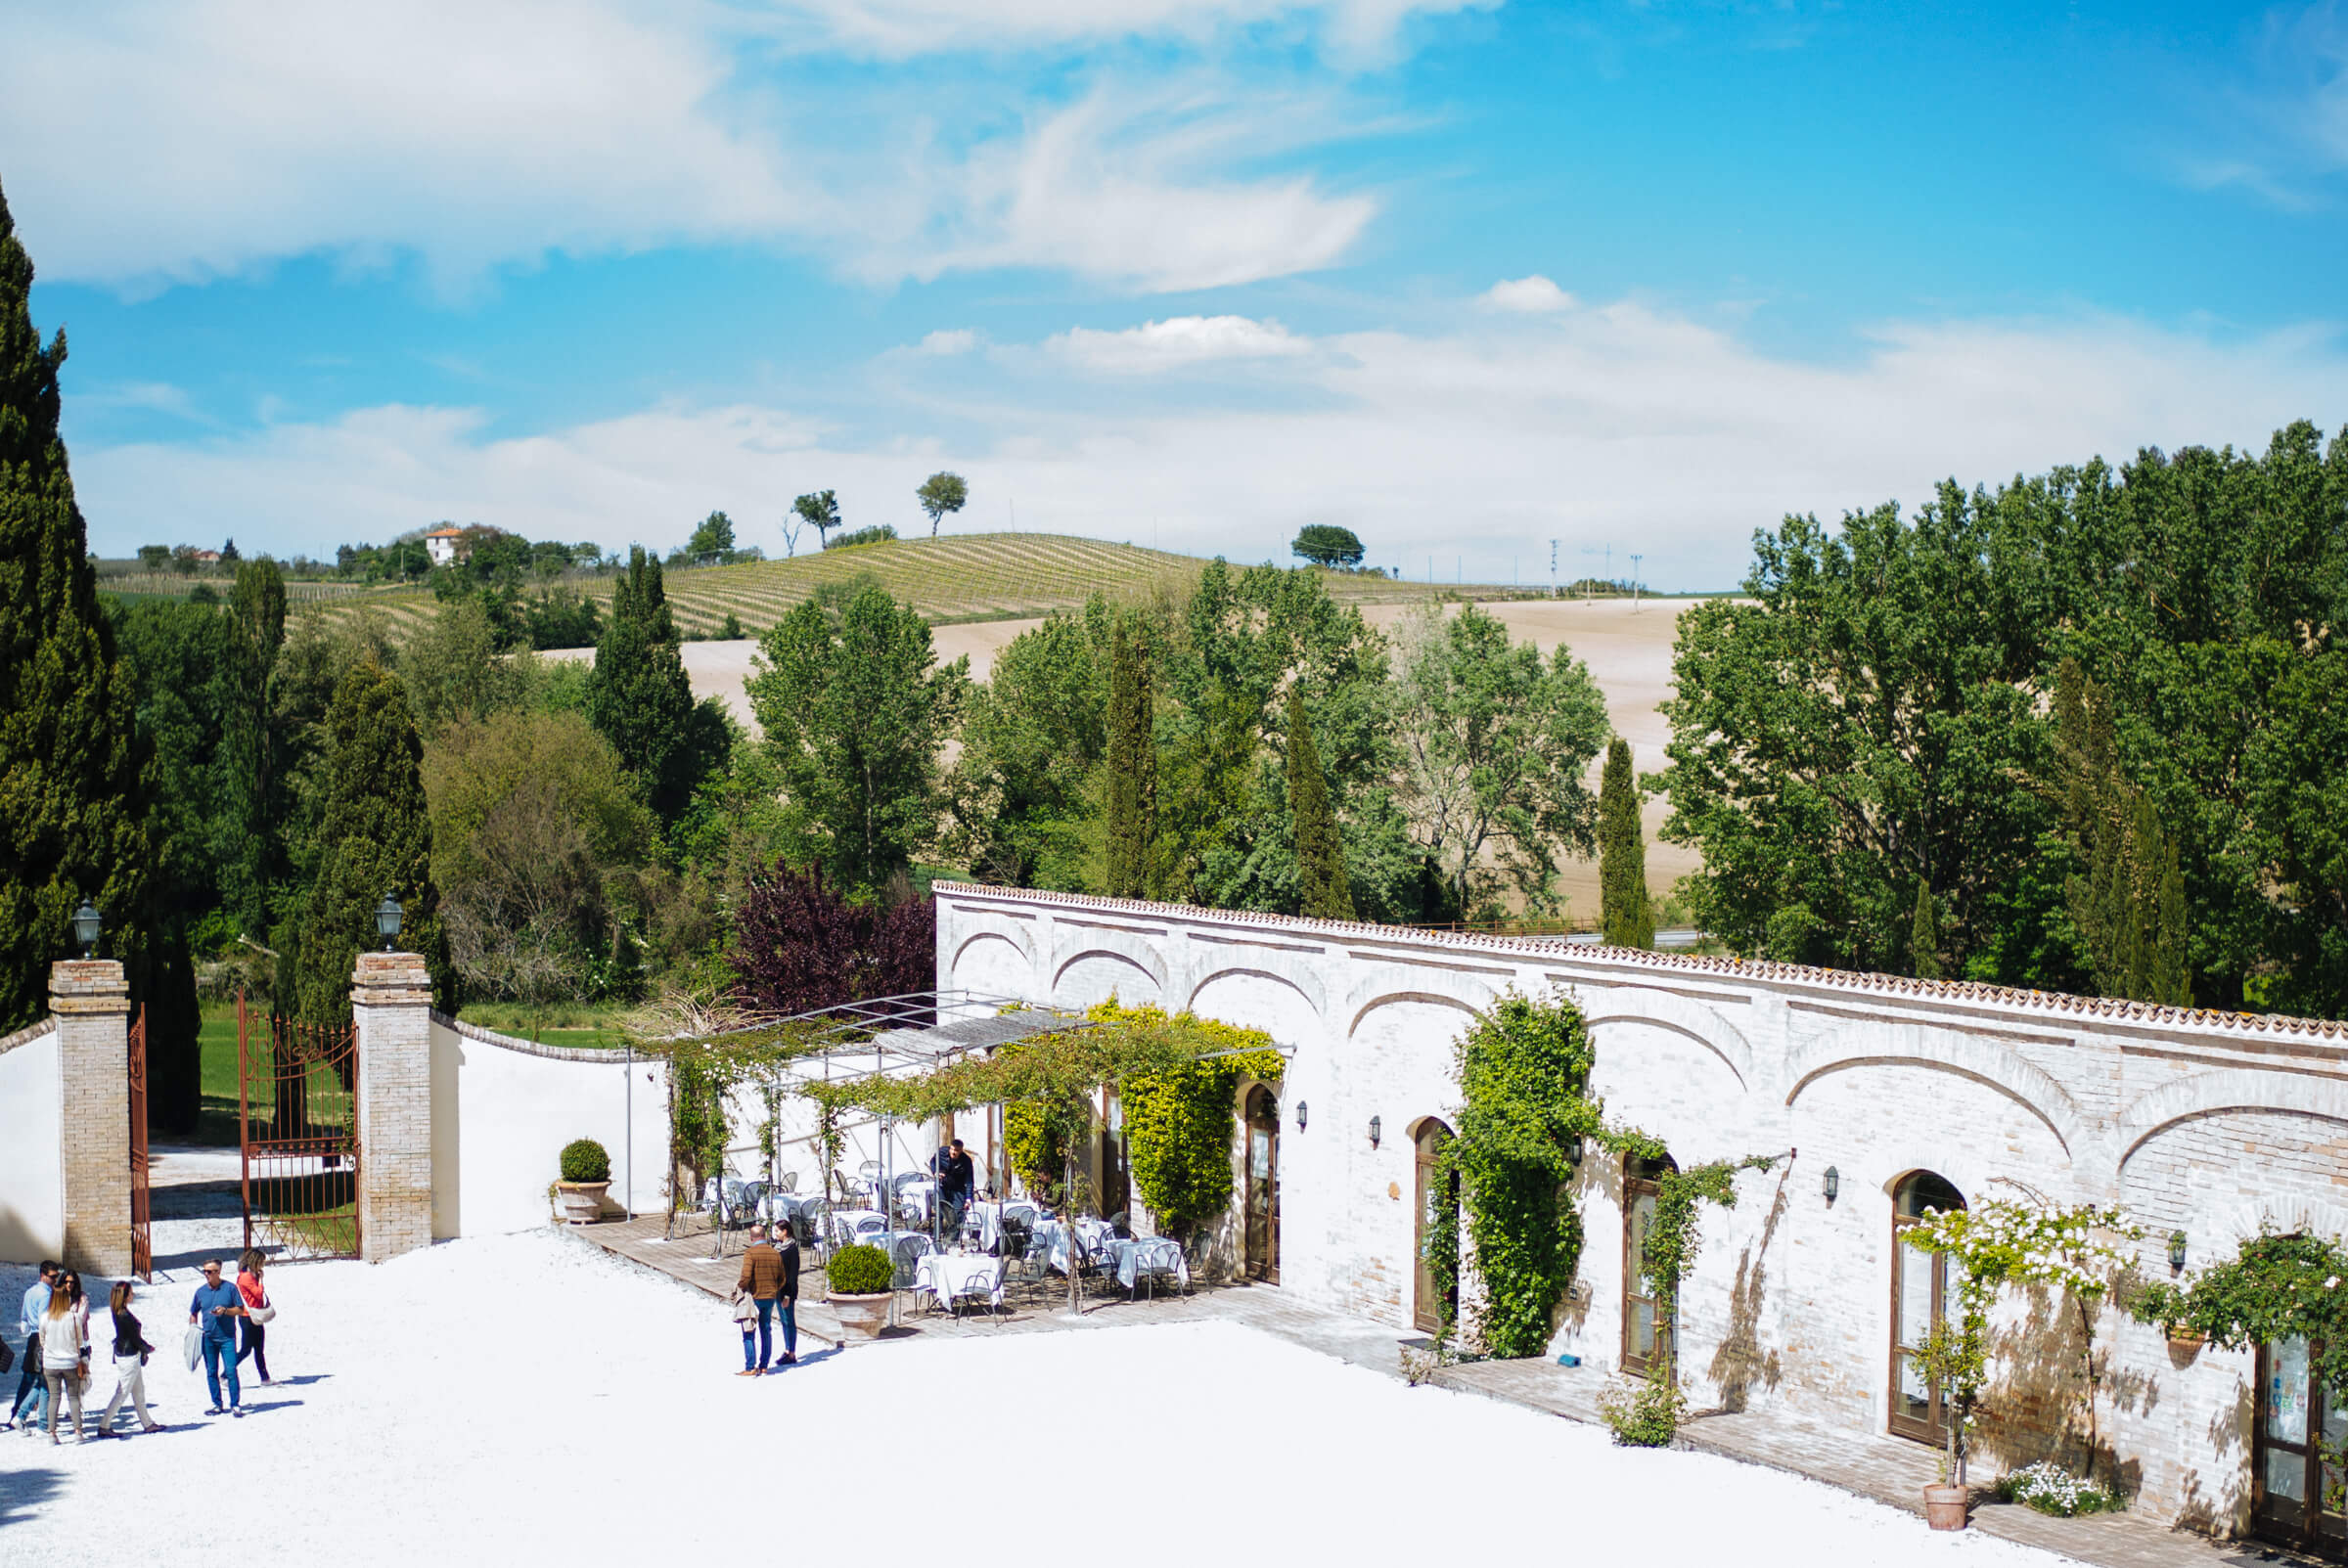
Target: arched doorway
1646	1327
1262	1243
1922	1293
1432	1299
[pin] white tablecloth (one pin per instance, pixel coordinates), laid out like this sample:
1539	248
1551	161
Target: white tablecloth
946	1275
1157	1253
845	1224
1093	1231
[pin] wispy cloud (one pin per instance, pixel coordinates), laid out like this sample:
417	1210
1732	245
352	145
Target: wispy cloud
1610	422
1349	30
2280	127
1535	295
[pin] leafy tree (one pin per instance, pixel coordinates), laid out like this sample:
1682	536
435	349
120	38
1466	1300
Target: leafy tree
563	617
155	557
821	510
712	540
2299	794
729	629
1028	786
252	784
1130	830
799	944
73	807
228	553
1324	890
375	836
451	668
640	698
875	534
855	714
1495	744
1923	936
1623	909
2128	905
1325	544
940	494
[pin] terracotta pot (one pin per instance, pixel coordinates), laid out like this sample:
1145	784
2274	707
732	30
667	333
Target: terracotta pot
1945	1507
580	1202
862	1317
2186	1346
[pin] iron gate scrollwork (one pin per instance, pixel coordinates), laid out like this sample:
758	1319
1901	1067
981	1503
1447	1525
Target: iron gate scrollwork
297	1106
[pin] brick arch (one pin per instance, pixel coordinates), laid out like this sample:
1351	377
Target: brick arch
1150	966
1679	1015
1018	936
1308	987
1143	950
1353	1025
2258	1216
2229	1089
1985	1062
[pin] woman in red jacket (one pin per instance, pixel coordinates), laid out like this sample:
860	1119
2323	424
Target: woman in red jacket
258	1312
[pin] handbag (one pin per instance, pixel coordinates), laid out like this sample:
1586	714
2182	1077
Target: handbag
261	1313
7	1358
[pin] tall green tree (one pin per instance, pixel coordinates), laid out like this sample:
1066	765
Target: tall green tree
375	836
1325	544
1495	744
940	494
1923	936
1623	897
1324	890
820	508
1034	736
251	787
2127	903
855	712
712	541
1130	781
641	701
72	806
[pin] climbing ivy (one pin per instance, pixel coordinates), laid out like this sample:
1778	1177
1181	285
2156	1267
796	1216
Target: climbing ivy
1180	1123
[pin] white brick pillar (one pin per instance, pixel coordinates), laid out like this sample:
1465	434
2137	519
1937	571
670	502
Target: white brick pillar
92	1007
391	1005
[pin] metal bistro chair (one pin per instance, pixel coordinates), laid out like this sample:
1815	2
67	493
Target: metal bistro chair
975	1293
1157	1260
1032	1266
906	1252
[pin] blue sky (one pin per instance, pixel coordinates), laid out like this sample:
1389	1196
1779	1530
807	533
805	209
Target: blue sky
1465	277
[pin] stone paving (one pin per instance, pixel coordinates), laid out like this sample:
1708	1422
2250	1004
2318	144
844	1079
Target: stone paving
1885	1469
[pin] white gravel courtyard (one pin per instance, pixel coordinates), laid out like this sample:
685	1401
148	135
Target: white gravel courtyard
528	1399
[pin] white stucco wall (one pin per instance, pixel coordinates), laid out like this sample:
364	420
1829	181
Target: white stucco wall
502	1110
2210	1123
32	1191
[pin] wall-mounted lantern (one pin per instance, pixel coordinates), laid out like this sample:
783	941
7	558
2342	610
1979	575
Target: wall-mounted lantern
387	921
2175	1252
1300	1116
1834	1185
1573	1151
1376	1127
86	926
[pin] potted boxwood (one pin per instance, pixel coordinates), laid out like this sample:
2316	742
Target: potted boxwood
860	1292
586	1178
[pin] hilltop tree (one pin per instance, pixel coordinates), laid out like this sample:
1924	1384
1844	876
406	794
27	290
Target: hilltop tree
940	494
822	508
1325	544
72	811
375	836
1623	907
1324	890
712	540
1131	777
855	714
639	698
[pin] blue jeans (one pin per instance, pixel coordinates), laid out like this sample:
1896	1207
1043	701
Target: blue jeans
764	1336
221	1355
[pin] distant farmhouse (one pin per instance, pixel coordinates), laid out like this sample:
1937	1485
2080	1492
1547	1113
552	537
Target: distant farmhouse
445	545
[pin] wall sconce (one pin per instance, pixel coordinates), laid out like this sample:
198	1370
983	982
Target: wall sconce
387	921
1376	1127
86	925
1573	1152
1300	1116
1834	1185
2175	1252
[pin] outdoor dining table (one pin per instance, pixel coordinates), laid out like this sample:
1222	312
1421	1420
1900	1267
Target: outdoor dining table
845	1222
946	1275
990	1218
1055	1235
1128	1256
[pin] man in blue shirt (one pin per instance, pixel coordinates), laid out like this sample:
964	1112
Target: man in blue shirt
29	1325
217	1306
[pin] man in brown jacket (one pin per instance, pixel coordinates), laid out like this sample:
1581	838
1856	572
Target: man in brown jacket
771	1276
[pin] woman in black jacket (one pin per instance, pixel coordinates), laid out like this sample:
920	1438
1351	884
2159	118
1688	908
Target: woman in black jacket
130	1362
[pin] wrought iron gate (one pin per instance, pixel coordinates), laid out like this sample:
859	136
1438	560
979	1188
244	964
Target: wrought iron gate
297	1108
142	1231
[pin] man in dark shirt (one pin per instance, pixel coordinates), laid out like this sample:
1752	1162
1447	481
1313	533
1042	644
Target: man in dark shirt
217	1305
955	1179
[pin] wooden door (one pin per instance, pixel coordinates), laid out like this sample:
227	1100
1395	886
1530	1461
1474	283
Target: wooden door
1438	1195
1923	1293
1645	1326
2288	1475
1262	1250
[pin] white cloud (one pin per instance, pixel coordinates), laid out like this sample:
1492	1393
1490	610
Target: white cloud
1174	343
1354	29
1623	425
948	341
1532	297
149	142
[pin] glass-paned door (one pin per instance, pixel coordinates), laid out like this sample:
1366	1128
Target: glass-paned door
1646	1327
1262	1241
1923	1292
2289	1477
1438	1191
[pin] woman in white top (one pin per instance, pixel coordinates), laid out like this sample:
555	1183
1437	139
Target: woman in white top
62	1339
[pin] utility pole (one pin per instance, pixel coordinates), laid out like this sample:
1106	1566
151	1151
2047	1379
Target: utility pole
1553	569
1636	557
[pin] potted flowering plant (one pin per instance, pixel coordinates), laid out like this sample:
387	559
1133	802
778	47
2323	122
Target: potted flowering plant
586	1178
860	1293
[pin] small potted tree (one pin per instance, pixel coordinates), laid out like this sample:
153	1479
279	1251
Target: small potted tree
860	1293
1952	1359
586	1178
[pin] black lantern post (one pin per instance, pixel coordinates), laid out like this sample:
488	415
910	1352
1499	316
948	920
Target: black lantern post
387	921
86	925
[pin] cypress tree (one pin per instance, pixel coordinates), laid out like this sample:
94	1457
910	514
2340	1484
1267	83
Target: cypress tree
72	819
2128	905
1324	890
637	696
375	836
1924	935
1131	766
252	856
1622	903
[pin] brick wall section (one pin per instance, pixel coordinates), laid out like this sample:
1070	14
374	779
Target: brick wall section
91	1003
391	1003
